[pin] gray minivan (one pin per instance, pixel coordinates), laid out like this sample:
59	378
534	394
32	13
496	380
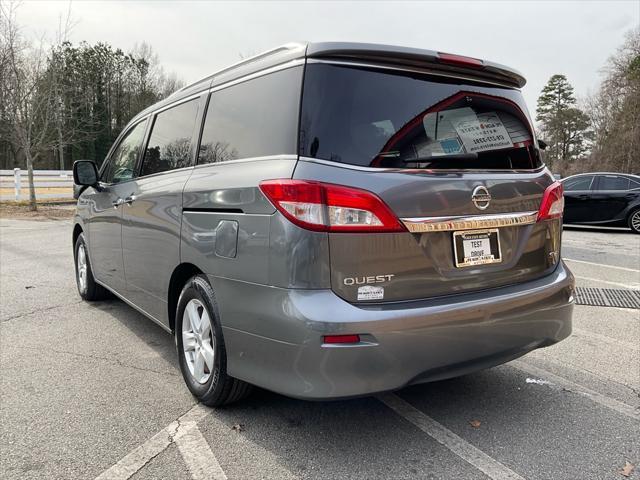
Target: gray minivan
328	220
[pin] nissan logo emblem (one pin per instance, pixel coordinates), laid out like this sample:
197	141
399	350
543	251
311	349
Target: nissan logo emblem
481	197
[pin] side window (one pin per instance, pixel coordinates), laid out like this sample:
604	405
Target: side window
633	184
255	118
170	139
580	183
122	163
613	182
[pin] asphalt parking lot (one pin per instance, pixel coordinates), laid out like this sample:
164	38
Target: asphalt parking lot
92	390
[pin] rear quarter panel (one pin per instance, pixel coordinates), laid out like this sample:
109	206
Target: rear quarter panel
270	250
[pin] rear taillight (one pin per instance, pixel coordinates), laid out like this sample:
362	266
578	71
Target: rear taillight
552	204
330	208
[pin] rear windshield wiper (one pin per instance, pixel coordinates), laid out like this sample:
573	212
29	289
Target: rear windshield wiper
442	158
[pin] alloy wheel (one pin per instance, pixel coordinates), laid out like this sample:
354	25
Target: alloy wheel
82	268
635	221
198	343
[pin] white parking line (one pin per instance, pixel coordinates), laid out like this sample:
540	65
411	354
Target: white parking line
470	454
596	397
631	286
602	265
201	462
603	338
140	456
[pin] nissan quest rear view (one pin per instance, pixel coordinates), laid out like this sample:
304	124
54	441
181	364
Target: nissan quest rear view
328	220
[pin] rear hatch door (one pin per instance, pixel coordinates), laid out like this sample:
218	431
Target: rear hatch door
454	160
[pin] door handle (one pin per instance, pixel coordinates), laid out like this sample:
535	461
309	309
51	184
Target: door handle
117	203
130	199
584	196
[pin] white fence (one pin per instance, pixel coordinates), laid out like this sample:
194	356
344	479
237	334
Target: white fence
14	184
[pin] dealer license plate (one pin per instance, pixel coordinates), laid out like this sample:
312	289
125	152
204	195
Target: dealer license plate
476	247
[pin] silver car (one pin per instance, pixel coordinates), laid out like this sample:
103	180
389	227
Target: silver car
328	220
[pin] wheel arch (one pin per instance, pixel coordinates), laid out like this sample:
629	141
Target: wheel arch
179	277
77	230
632	209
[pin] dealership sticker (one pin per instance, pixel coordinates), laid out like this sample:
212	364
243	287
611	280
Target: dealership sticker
451	145
484	131
370	293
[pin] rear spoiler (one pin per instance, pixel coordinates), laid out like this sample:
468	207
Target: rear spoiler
418	58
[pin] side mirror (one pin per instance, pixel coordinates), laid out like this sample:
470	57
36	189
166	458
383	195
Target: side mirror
85	173
542	145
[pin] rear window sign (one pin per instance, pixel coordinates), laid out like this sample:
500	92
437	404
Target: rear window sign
451	146
481	132
446	146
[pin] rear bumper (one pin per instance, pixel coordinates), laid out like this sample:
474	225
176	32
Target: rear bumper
273	336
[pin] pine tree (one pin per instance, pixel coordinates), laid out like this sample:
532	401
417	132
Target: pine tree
563	125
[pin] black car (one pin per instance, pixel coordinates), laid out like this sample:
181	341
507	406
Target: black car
611	199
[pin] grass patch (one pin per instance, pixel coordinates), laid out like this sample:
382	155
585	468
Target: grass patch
40	201
46	211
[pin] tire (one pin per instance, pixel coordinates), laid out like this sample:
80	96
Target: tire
206	379
88	289
634	221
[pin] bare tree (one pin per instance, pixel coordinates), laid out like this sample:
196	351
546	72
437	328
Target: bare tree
60	101
32	92
153	78
57	73
615	109
4	74
26	93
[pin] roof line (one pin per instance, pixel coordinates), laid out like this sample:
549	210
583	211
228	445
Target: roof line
245	61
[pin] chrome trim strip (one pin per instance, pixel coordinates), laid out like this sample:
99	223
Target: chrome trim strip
247	61
345	165
468	222
284	156
261	73
176	103
420	170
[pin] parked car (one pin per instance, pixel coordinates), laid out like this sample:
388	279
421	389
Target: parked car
329	220
611	199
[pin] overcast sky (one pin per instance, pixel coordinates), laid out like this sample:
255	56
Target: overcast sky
196	38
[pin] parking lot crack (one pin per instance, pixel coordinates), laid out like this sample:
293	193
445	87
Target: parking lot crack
633	389
39	310
112	361
170	440
172	434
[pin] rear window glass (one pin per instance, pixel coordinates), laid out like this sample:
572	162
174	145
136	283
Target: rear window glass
376	118
255	118
612	182
579	183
